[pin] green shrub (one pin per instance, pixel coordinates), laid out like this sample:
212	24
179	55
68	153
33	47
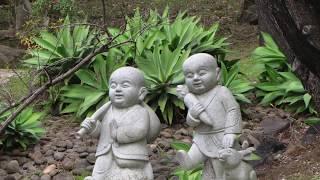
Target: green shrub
163	72
161	50
278	84
62	49
23	131
92	91
235	81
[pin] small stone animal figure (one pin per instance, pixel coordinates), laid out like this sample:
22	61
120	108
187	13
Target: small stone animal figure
235	168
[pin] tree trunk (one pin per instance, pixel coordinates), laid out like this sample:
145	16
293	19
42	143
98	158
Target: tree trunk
295	26
22	11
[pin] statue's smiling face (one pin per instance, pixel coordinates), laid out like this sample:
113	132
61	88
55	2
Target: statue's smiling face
123	92
125	87
200	75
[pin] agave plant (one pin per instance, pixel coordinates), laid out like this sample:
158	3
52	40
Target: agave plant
23	131
278	84
163	71
59	49
93	90
235	81
183	33
270	54
284	88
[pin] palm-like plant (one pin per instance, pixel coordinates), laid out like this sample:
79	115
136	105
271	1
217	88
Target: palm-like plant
163	71
278	84
24	130
59	49
235	81
92	92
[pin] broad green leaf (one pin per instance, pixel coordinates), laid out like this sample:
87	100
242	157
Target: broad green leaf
306	99
252	157
268	98
162	102
87	77
179	145
269	86
89	101
311	121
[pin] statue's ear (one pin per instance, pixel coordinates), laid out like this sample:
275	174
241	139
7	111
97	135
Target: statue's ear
142	94
218	73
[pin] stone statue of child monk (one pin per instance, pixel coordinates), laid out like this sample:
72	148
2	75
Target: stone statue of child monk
125	126
214	113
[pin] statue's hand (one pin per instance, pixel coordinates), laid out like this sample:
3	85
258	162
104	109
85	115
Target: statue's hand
196	110
88	124
182	91
228	140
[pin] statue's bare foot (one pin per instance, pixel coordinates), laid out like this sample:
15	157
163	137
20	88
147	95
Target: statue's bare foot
88	178
184	160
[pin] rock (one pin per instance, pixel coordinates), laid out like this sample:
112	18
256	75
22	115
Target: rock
10	177
91	158
46	148
45	177
17	152
81	149
311	134
83	155
22	160
90	168
78	171
15	176
9	55
3	164
153	148
49	152
63	176
92	149
3	173
267	146
34	177
37	157
13	167
49	169
67	164
183	131
165	134
50	160
29	166
61	149
54	172
272	126
294	149
58	156
61	144
69	144
72	155
81	163
161	177
5	158
164	144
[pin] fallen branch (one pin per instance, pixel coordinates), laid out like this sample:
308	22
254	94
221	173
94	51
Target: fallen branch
30	98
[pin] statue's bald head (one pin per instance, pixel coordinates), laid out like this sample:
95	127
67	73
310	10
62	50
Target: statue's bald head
201	59
201	73
134	74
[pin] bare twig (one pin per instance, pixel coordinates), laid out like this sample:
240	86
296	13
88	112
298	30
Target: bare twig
28	100
21	79
104	13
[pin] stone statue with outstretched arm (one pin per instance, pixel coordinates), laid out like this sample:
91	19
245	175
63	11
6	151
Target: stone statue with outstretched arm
124	126
213	112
